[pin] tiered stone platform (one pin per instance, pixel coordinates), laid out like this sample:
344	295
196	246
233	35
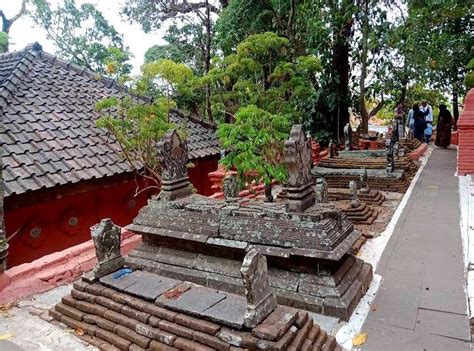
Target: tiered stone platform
362	214
372	197
379	179
370	159
143	311
204	241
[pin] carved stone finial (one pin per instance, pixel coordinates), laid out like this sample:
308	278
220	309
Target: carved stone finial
173	157
260	298
321	191
106	237
298	157
355	202
230	187
347	136
364	181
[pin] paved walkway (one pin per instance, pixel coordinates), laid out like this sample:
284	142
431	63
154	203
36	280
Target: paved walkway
421	304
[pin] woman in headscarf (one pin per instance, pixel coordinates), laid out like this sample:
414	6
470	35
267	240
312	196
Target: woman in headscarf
443	129
420	123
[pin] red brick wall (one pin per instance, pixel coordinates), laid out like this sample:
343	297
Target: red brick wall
466	136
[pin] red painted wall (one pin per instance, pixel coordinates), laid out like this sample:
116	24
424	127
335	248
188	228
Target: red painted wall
58	224
63	222
199	175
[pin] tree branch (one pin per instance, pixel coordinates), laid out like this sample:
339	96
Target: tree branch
377	108
20	13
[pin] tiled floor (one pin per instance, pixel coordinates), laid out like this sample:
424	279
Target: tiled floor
421	304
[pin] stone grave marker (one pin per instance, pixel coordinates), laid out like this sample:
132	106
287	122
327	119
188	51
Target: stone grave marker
106	237
260	298
355	202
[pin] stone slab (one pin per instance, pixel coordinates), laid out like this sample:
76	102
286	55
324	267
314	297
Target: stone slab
229	311
195	300
123	281
445	324
150	286
384	337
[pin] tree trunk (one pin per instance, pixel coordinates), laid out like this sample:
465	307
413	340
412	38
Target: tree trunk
364	125
341	68
207	61
7	24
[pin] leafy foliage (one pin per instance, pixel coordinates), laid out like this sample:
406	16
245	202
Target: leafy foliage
81	33
255	143
138	123
261	74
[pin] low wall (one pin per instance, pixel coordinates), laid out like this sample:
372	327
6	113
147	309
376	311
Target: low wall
466	136
55	269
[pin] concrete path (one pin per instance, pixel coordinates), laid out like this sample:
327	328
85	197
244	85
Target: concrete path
421	304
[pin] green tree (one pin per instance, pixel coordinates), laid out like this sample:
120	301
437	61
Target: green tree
261	74
443	31
170	77
81	33
152	14
138	122
181	47
7	24
255	144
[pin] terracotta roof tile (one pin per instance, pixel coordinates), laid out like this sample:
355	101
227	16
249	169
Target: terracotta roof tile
48	135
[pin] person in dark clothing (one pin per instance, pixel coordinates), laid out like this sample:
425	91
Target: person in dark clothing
420	123
443	129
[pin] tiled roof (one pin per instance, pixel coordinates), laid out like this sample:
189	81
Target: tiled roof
48	134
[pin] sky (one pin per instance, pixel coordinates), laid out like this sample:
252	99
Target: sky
24	31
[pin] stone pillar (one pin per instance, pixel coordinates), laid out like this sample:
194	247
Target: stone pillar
321	189
297	155
260	298
355	202
173	157
106	237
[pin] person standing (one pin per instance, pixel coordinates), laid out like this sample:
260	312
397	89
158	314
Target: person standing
420	123
443	128
427	111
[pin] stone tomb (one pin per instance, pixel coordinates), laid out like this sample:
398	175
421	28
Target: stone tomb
139	311
369	159
204	241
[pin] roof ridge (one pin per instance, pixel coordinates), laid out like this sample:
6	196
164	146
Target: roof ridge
194	118
27	58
